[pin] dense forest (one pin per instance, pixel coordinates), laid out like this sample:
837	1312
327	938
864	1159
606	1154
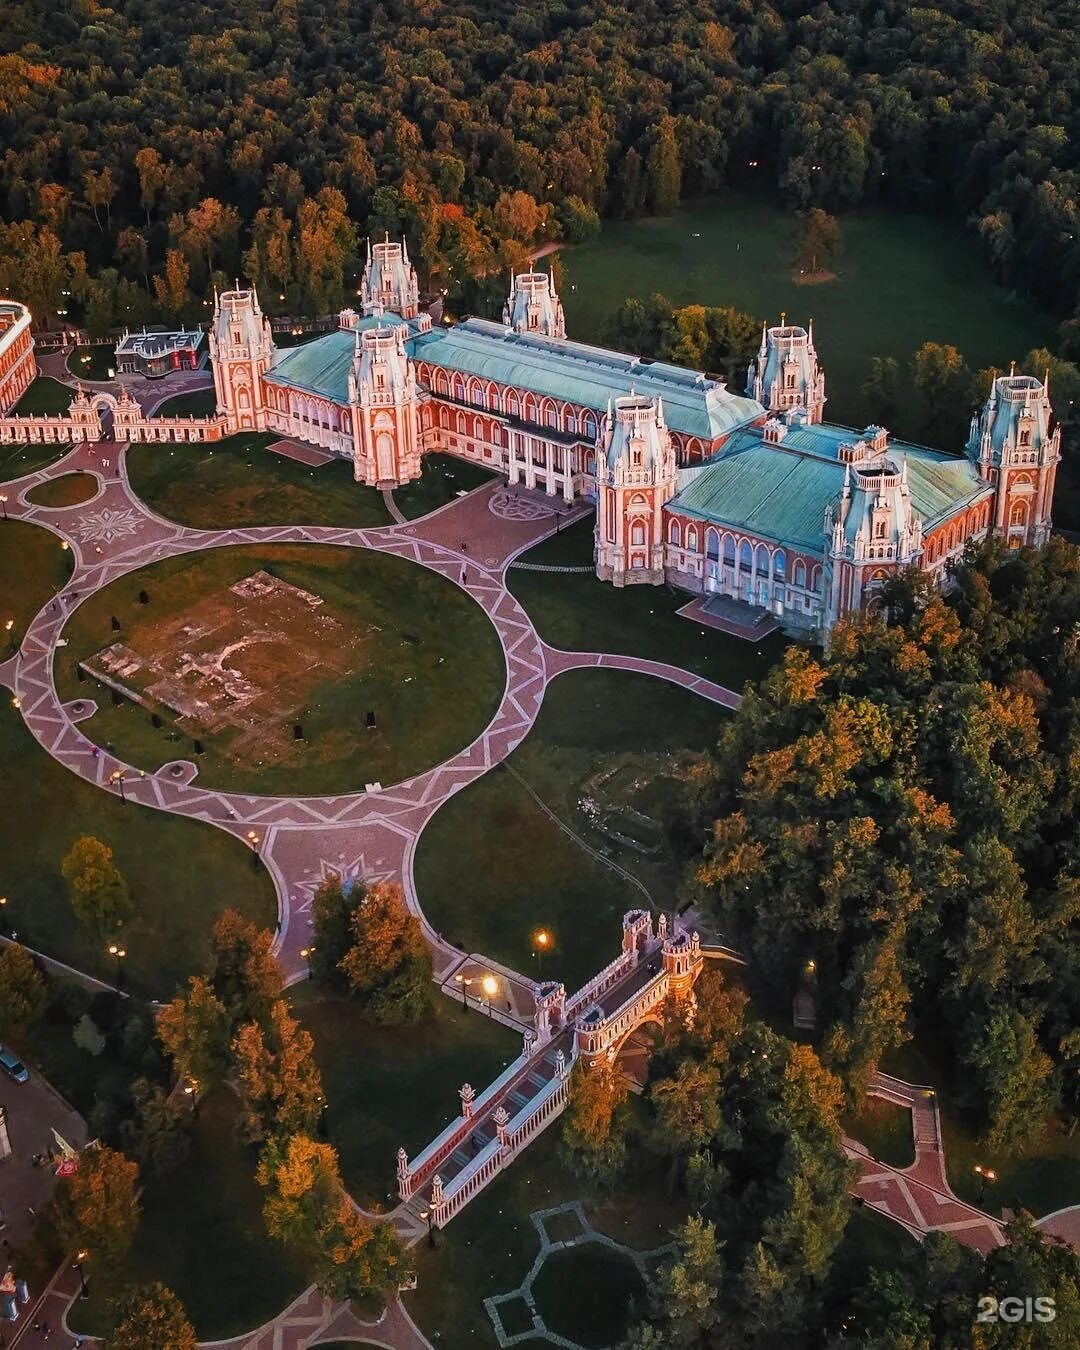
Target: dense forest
147	145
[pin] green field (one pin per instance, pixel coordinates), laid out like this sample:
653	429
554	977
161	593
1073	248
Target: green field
33	567
237	482
202	1235
577	612
95	362
45	396
182	873
391	1088
67	490
885	1129
904	279
418	648
442	478
197	403
492	867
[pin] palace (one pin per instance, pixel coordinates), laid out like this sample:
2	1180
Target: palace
749	496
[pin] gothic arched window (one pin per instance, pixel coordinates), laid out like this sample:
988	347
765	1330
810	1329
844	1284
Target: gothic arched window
746	557
779	564
729	550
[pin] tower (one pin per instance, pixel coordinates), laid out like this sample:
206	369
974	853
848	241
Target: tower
533	306
1017	450
872	530
389	282
241	352
635	476
786	377
383	402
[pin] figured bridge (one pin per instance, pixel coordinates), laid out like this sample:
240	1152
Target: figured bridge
654	970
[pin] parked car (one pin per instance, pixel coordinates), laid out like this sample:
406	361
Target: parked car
13	1066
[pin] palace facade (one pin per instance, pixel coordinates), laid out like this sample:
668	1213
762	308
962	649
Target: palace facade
751	496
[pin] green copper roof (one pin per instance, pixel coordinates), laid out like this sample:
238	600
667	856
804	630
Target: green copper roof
575	373
780	492
319	367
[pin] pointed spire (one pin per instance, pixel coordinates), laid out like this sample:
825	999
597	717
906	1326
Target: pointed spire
1012	368
783	318
660	410
1046	383
847	480
764	338
369	250
405	250
810	334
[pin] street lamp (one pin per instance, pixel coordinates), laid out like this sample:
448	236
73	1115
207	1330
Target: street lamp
305	952
3	913
117	777
116	950
253	840
490	985
464	981
3	504
80	1257
429	1215
986	1174
541	943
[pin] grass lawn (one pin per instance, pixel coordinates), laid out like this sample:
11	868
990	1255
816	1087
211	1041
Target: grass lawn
1041	1178
199	403
33	567
202	1234
490	1245
904	279
577	612
396	1087
571	547
237	482
45	396
94	362
565	1294
67	490
492	866
441	479
885	1129
413	646
181	872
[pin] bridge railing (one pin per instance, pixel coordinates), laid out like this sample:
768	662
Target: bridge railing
607	978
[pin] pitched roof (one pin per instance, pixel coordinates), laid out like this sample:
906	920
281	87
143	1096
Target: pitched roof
780	492
572	371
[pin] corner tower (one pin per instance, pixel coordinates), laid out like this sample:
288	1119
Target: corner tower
383	402
786	376
635	477
241	352
389	283
533	306
1017	450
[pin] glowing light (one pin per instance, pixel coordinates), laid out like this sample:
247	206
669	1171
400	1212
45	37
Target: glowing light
490	985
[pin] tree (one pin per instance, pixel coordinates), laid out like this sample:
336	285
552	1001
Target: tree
150	1317
389	964
99	894
157	1135
881	388
945	384
307	1208
171	289
100	189
280	1086
195	1031
686	1294
331	915
23	997
596	1122
152	177
244	972
98	1208
687	1112
664	171
819	242
1012	1076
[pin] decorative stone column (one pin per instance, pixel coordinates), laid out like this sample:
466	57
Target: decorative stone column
637	931
550	1009
560	1065
404	1177
467	1095
502	1119
436	1200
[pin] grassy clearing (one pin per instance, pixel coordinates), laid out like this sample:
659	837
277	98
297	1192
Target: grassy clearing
197	403
577	612
182	873
442	478
565	1294
1041	1178
45	396
237	482
33	567
94	362
885	1129
67	490
904	279
391	1088
492	867
422	647
202	1234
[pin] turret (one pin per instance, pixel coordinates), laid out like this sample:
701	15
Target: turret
1017	449
241	351
533	306
635	476
389	284
383	397
786	377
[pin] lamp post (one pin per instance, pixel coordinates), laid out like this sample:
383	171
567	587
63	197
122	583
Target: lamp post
3	913
490	985
985	1174
541	943
80	1257
305	952
3	504
117	777
9	629
464	981
116	950
253	840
